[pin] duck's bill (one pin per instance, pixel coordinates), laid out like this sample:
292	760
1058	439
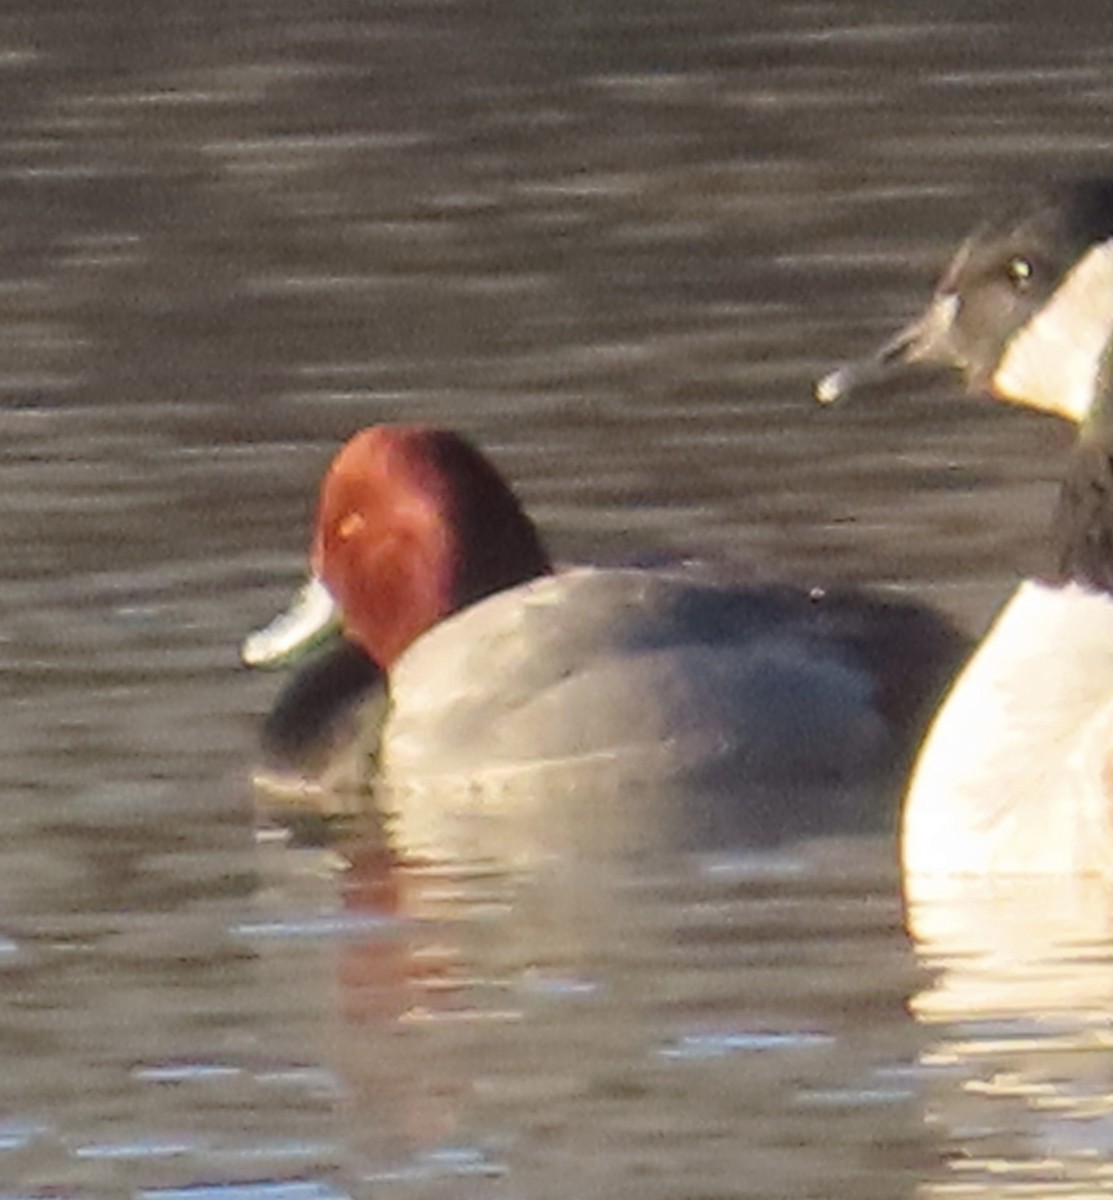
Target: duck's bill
928	341
312	618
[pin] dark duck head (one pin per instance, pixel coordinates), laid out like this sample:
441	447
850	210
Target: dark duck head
1024	313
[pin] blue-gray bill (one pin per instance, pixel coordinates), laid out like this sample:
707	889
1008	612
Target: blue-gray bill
928	341
312	618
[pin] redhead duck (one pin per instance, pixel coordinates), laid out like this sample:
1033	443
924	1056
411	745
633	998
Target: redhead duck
484	662
1016	773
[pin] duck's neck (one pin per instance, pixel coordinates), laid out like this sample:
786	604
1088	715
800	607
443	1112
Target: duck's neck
1084	520
1083	529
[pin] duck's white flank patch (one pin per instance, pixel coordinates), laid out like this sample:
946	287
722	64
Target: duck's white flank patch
1012	778
1052	362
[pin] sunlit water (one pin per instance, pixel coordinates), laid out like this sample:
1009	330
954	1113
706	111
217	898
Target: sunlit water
613	242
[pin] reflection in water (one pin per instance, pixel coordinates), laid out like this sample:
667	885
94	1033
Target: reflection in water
657	1021
1019	1010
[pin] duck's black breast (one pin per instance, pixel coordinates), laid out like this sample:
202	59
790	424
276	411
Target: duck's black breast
313	713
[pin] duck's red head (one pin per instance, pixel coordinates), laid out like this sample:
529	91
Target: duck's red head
414	524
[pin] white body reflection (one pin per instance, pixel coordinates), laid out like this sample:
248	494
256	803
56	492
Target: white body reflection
1021	1003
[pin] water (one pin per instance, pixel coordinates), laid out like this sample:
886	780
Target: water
614	243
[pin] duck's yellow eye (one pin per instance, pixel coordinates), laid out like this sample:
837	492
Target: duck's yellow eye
349	526
1020	271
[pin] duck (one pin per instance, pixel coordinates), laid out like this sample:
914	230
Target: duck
1015	774
469	658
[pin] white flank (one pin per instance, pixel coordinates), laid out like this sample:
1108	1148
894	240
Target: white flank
1052	362
1012	775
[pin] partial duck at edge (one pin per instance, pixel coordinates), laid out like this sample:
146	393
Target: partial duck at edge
1016	772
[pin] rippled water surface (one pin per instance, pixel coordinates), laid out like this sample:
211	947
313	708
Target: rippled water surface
614	242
